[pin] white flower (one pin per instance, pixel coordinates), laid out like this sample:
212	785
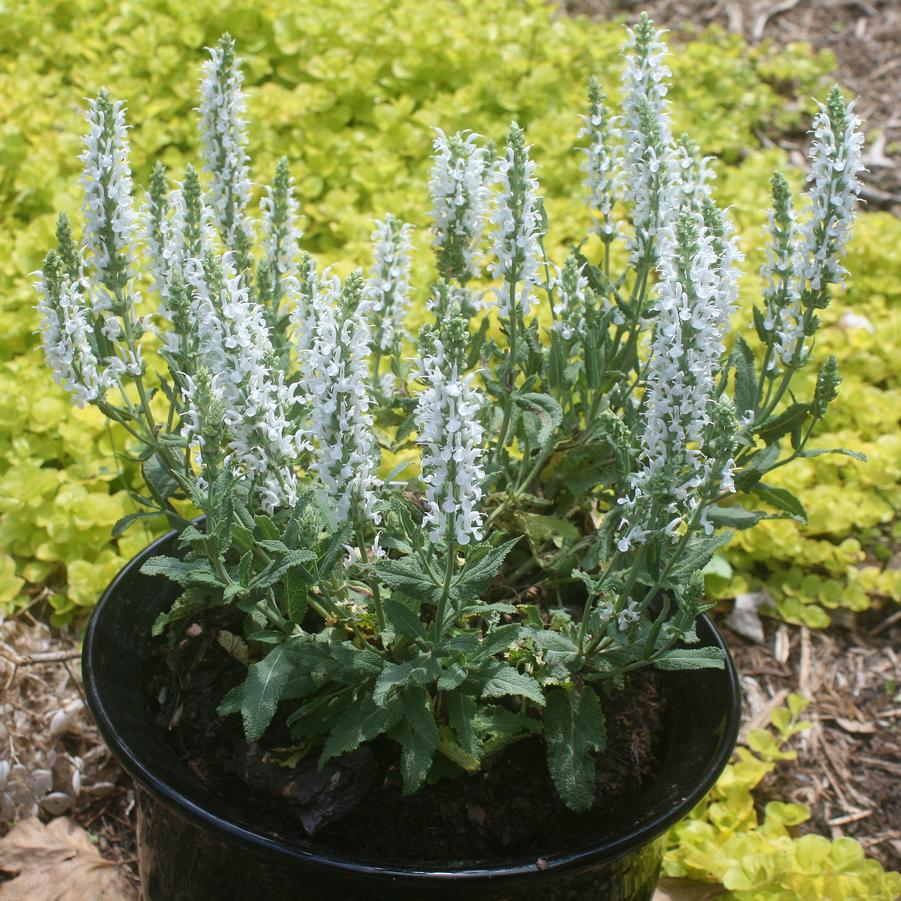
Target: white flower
517	227
281	235
601	165
459	202
224	143
833	189
450	435
338	395
693	173
651	179
691	313
109	215
67	335
235	344
572	298
388	290
309	293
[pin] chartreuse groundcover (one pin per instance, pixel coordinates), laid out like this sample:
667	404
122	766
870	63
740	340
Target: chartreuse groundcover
351	95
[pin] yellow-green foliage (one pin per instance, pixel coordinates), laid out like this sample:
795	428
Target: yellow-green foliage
350	90
724	839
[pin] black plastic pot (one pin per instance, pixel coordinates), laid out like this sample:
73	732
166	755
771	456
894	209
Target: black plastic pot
193	844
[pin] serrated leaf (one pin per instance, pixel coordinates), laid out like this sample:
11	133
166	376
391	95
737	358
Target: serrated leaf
691	658
745	376
788	421
295	596
404	621
408	576
185	573
279	568
263	689
461	713
233	645
422	669
697	555
574	731
363	720
478	574
504	679
541	417
417	734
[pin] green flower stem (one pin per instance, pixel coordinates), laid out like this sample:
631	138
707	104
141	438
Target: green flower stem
374	585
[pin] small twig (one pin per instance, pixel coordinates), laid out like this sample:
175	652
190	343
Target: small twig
885	624
850	818
38	658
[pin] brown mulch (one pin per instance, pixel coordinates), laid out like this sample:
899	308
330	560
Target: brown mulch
52	761
863	35
849	762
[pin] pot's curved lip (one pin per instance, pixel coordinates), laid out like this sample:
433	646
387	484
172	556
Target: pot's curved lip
175	797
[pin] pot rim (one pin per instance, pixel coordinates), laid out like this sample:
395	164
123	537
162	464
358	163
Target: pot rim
180	800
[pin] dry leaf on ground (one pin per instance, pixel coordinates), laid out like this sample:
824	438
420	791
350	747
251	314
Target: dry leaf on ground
57	862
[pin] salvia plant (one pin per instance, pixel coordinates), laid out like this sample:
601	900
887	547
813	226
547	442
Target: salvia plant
577	438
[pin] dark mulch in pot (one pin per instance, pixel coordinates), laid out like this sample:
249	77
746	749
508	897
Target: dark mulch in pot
355	804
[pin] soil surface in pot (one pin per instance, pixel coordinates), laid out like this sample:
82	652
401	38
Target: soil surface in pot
354	805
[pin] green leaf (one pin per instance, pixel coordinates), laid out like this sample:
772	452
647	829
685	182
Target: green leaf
819	451
408	576
417	734
574	731
789	421
184	572
541	417
757	467
504	679
691	658
745	376
263	690
422	669
160	481
279	568
362	721
781	500
478	573
295	595
403	620
232	702
696	555
123	523
735	517
461	713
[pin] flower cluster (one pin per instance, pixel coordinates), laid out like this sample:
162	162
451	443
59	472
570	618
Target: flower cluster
109	215
651	179
224	143
281	234
694	298
572	299
335	384
235	346
517	228
388	290
833	188
459	200
601	164
450	436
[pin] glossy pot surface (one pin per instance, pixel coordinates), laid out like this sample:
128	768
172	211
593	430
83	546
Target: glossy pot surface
195	844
